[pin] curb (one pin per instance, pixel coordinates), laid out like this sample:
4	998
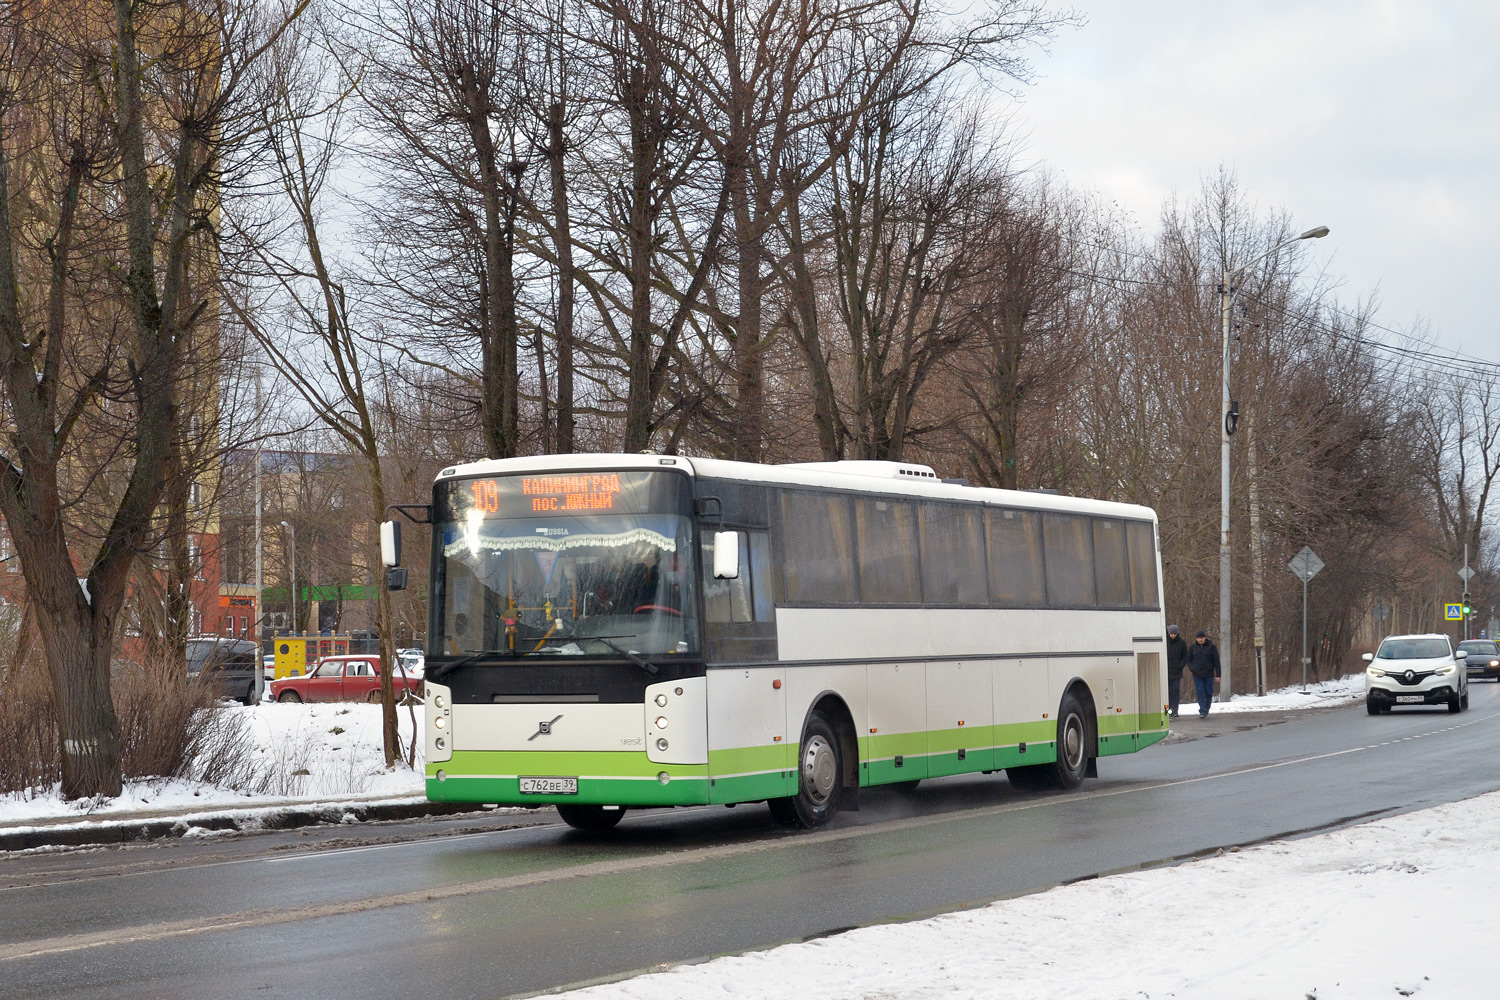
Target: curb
124	831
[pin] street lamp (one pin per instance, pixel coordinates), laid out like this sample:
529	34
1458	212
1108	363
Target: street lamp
293	625
1231	413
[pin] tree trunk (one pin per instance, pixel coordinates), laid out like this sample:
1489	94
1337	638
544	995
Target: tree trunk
639	399
563	244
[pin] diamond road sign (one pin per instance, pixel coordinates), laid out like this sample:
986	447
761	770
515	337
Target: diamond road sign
1465	574
1305	564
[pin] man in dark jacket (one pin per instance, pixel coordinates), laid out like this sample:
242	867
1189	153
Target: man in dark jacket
1203	662
1177	652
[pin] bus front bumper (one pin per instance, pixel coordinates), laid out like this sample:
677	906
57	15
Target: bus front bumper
625	778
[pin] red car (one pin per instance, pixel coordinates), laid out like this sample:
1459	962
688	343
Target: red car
344	678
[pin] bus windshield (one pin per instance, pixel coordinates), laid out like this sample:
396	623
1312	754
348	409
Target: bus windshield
555	566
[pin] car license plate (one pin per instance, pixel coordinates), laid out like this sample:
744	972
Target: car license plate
549	786
1402	699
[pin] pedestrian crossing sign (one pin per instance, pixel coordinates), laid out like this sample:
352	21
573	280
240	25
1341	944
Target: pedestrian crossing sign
1453	612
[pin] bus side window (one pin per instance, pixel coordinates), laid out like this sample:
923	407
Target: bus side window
764	604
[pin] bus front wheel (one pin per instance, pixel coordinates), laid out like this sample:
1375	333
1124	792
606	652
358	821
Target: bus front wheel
820	778
595	818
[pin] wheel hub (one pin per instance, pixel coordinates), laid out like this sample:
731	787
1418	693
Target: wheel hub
819	769
1073	743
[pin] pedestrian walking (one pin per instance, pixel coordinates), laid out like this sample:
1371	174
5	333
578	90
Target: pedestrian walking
1203	663
1177	653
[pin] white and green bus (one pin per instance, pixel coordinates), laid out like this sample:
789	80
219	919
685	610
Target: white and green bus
609	632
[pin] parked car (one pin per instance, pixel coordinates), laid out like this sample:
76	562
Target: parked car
227	664
343	678
1483	659
1416	670
413	661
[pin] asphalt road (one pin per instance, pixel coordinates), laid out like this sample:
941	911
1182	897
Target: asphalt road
499	905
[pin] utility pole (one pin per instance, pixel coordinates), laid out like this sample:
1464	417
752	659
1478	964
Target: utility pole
259	617
1229	413
1226	430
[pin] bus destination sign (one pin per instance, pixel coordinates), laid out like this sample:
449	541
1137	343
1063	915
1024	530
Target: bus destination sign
574	494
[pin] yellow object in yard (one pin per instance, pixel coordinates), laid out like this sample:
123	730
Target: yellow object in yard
296	655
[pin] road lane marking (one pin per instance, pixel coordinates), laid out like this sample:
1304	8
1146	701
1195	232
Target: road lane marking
167	930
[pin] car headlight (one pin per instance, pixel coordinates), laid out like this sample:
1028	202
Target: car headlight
1445	671
1375	672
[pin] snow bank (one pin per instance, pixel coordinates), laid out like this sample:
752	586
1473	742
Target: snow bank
1322	694
301	753
1391	908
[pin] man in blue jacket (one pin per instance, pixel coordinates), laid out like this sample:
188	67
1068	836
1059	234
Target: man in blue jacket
1203	663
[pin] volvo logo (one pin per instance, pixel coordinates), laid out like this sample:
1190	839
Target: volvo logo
543	729
1411	675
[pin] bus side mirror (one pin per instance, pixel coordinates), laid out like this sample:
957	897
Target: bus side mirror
395	578
726	555
390	544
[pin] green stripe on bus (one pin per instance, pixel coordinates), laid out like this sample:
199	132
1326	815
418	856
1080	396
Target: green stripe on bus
742	760
505	790
752	787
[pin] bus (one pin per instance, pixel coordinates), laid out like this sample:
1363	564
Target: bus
612	632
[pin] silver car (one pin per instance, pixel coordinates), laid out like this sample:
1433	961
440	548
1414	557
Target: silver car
1416	670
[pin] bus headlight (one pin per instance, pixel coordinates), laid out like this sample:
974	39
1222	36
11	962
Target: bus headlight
661	701
661	722
439	722
661	744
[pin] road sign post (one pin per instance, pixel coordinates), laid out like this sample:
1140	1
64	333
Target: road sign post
1466	574
1306	565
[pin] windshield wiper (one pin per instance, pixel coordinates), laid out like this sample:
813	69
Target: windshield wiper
651	669
445	669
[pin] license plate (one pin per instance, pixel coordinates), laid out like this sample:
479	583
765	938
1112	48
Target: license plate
1401	699
549	786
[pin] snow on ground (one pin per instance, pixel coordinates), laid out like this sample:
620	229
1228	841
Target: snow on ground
1392	908
298	753
1322	694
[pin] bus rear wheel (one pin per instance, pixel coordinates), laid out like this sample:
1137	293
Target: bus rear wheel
1073	753
820	778
594	818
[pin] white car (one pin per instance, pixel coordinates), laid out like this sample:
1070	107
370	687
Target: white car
1416	670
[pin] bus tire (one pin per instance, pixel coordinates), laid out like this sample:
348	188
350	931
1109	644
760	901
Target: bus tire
592	818
820	778
1072	764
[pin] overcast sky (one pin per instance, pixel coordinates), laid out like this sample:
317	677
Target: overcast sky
1377	118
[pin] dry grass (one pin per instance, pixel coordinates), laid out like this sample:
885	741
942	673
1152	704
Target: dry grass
171	726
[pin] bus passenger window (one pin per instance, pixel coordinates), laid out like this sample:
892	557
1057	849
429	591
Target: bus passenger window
1069	549
1111	567
1143	592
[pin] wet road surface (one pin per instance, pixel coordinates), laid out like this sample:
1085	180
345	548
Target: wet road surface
503	904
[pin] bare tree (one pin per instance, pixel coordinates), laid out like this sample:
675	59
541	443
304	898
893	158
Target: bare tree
305	127
129	150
